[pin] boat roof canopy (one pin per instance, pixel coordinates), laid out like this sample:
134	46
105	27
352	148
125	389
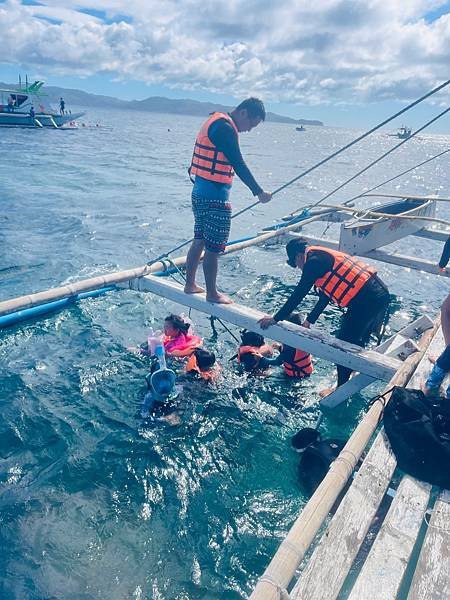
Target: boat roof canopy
34	88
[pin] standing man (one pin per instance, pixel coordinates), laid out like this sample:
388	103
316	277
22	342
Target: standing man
62	106
216	158
343	280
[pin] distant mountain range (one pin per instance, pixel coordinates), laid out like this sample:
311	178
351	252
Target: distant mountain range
156	104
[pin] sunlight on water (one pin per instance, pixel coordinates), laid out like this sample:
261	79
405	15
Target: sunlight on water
95	501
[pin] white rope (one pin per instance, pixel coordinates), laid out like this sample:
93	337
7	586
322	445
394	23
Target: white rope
283	594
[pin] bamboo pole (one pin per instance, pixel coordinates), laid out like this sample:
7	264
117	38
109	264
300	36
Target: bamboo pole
87	285
291	551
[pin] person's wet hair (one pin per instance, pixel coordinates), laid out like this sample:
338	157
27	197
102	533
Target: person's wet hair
205	358
250	338
304	438
178	323
249	361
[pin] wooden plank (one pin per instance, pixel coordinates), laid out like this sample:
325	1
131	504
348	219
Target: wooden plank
385	565
334	555
317	343
431	579
389	347
433	234
401	260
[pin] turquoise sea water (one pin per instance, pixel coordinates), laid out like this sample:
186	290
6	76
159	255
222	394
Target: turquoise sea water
94	503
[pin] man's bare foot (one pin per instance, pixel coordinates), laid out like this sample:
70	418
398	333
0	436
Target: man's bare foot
432	359
193	289
219	299
327	391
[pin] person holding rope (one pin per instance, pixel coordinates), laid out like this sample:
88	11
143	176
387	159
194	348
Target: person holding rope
343	280
215	159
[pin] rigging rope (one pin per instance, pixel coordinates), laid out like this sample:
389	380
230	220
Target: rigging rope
375	187
380	158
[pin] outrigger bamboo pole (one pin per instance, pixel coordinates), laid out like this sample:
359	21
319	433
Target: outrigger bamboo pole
282	567
87	285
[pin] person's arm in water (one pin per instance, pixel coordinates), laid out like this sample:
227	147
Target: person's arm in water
315	267
445	257
266	362
224	137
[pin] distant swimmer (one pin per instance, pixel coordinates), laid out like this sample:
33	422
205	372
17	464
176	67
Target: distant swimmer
343	280
215	159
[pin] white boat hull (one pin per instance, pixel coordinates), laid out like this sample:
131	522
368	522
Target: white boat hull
368	234
46	120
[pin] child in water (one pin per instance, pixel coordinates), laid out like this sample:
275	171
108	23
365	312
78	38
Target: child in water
202	365
178	338
256	357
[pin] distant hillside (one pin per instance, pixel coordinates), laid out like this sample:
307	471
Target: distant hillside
156	104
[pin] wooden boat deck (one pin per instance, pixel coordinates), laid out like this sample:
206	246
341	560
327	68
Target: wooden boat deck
390	569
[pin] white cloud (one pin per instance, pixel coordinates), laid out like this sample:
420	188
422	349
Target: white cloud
331	51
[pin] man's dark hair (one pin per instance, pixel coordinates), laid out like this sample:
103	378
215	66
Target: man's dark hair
293	248
254	107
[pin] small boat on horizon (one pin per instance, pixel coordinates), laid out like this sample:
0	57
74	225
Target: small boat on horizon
300	128
403	133
26	106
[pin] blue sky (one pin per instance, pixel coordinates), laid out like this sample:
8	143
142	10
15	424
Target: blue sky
347	62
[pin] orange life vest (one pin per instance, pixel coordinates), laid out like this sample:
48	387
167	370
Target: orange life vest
207	161
301	365
209	375
346	278
259	351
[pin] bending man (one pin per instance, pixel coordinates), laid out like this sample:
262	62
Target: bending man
215	159
343	280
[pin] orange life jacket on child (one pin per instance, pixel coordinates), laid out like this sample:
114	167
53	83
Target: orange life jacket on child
258	351
210	375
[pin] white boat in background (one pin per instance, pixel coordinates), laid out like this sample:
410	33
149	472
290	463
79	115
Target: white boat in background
365	233
26	106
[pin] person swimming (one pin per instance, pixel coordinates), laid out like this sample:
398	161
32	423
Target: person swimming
254	355
178	337
161	392
202	365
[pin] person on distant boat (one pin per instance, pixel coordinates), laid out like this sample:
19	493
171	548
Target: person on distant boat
215	159
445	256
11	104
32	113
343	280
62	106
